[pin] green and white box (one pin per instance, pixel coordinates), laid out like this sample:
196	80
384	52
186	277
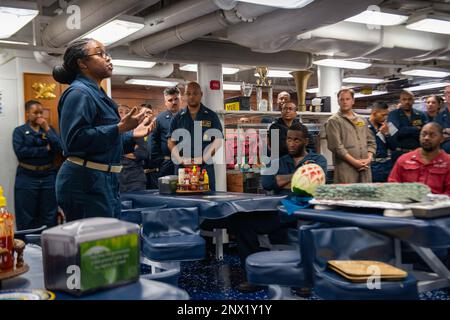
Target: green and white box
90	254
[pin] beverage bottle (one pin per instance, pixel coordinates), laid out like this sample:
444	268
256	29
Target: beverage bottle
205	180
6	235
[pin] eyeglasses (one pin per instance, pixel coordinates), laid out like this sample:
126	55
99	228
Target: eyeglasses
105	55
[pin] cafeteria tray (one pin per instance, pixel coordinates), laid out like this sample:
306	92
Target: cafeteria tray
431	210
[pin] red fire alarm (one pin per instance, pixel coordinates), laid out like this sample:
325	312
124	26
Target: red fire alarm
214	85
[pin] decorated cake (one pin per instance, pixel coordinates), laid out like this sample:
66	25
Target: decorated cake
385	192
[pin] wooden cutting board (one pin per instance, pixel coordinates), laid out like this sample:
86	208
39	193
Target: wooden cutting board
360	270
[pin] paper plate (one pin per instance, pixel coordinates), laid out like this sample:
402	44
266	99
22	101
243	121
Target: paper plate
31	294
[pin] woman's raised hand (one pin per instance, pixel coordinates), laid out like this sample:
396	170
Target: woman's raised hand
132	120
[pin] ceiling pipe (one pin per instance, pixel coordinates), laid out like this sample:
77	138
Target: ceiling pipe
44	57
386	37
174	15
196	28
233	54
278	31
92	15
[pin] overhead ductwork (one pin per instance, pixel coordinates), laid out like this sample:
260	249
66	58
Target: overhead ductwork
175	15
390	43
196	28
230	53
92	15
278	31
44	57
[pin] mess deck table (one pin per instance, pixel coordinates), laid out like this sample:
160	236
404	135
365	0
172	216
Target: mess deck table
214	205
422	235
143	289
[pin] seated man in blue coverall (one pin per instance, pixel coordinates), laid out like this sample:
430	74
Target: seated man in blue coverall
246	227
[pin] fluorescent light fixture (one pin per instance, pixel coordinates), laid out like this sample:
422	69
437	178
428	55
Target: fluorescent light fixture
15	16
339	63
426	72
430	22
133	63
286	4
189	67
231	87
380	17
374	93
277	74
362	79
194	68
154	83
117	29
14	42
313	90
228	70
427	86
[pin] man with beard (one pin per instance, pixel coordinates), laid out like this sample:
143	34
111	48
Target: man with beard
246	227
428	165
405	124
160	154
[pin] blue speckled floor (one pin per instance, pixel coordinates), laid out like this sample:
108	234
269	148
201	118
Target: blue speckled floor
217	280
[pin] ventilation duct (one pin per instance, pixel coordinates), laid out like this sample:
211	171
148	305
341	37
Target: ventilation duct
230	53
175	15
196	28
278	31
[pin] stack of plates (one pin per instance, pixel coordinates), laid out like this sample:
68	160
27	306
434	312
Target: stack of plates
362	270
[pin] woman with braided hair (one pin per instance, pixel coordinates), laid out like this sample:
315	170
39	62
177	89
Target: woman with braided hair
92	133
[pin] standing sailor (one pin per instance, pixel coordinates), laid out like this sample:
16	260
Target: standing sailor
36	144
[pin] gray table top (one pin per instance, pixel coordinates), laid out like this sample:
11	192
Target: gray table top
143	289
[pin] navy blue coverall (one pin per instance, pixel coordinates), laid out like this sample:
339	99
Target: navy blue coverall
247	227
88	121
443	118
382	163
207	119
34	189
407	137
160	153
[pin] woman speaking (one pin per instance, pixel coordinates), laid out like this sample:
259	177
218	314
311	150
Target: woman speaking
92	133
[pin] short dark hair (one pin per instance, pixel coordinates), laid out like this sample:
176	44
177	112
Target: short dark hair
346	90
171	91
300	127
378	106
436	125
407	92
30	103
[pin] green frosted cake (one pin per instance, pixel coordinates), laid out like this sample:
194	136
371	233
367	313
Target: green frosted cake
385	192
